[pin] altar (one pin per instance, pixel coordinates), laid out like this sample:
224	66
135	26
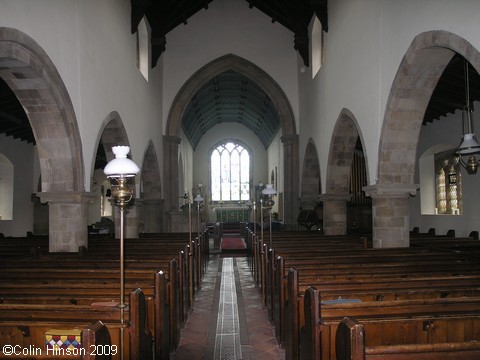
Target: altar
232	214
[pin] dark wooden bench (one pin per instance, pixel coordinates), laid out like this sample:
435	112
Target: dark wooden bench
167	294
27	324
393	322
351	338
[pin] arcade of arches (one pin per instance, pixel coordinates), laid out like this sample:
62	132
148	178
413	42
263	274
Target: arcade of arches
31	75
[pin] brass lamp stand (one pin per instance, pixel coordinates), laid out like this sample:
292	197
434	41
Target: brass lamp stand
118	171
269	191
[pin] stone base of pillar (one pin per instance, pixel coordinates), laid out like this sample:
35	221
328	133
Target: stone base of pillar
152	216
334	214
390	207
178	221
130	222
68	216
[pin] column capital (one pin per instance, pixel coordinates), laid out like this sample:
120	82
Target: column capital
67	197
391	190
289	138
172	139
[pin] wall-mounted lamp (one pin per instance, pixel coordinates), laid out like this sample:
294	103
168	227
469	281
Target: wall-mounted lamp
469	144
118	171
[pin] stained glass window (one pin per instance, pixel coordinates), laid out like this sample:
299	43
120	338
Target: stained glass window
448	184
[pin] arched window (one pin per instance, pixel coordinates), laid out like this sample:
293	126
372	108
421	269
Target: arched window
143	47
316	46
440	181
449	184
230	172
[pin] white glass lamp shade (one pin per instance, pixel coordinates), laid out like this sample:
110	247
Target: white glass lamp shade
121	166
269	190
469	145
198	199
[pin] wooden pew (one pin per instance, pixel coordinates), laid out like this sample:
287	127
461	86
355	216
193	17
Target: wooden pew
350	345
394	322
272	281
95	345
332	275
102	286
26	324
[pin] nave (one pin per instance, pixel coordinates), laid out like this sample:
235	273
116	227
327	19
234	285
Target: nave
227	320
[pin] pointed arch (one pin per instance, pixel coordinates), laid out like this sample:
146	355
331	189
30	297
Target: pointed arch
311	185
340	157
32	76
281	104
413	85
151	184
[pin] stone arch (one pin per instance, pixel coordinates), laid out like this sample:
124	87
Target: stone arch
342	147
151	192
34	79
340	157
412	87
113	134
416	78
282	106
151	184
310	187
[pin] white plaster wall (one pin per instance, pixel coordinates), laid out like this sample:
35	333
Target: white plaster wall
229	27
89	42
20	154
348	79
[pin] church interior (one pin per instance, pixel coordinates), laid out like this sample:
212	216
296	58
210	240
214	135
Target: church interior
239	179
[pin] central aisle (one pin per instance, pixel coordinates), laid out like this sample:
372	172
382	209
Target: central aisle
227	320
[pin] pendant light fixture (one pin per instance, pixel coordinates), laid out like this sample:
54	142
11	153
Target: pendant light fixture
469	144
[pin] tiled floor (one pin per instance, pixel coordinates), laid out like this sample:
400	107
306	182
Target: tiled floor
227	320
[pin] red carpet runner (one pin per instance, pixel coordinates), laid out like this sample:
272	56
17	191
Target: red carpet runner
232	243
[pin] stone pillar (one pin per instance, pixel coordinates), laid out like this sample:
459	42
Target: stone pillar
334	213
291	181
152	215
390	212
170	176
131	221
68	217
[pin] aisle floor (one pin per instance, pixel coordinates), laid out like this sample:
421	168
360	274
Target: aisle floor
228	321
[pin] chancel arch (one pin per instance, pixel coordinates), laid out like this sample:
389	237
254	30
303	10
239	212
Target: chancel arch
280	103
412	88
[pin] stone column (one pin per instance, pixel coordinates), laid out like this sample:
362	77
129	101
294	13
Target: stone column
68	217
131	220
334	213
291	181
390	213
152	215
170	176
